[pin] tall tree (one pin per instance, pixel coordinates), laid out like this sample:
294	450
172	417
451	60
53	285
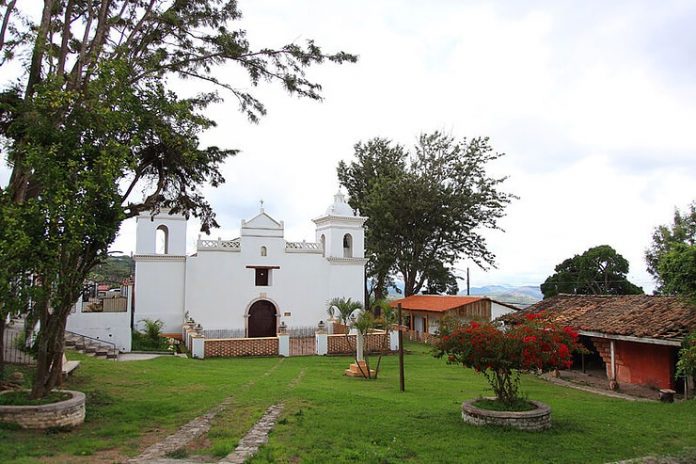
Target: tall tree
95	135
427	211
598	271
441	280
671	258
377	161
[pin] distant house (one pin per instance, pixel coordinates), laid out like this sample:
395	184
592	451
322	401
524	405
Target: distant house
635	337
424	312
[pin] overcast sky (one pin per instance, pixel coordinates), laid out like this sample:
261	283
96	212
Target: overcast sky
592	102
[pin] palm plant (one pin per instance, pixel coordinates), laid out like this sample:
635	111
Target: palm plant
345	307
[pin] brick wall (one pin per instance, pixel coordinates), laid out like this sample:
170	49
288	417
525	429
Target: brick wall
231	347
340	344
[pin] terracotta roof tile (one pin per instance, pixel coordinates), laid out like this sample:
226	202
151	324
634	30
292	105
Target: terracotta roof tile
664	317
434	303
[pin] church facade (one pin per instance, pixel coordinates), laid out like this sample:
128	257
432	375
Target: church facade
247	287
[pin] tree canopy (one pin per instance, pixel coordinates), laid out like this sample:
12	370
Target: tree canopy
598	271
94	133
426	207
671	258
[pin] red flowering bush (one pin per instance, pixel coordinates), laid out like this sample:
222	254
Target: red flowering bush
535	344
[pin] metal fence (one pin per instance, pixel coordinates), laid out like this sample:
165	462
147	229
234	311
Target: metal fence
224	333
294	332
15	344
299	332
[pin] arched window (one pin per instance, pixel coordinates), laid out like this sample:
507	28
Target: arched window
264	251
323	245
347	246
162	240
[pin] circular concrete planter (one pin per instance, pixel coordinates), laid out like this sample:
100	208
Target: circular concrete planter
67	413
534	420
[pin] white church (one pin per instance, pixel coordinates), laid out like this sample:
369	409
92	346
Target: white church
252	284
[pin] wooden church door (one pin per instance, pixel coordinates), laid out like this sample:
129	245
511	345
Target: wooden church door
262	319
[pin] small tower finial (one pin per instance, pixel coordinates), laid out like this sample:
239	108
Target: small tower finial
261	203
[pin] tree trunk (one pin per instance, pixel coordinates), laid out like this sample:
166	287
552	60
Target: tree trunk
49	359
2	347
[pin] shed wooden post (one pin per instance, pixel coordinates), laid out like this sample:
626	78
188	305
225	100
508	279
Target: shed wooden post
613	360
401	352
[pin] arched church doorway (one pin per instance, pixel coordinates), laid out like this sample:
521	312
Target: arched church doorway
262	319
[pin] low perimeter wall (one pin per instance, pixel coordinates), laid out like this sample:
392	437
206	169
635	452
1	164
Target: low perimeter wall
230	347
342	344
68	413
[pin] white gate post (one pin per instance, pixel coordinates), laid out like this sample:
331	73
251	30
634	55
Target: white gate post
284	345
283	340
198	346
321	345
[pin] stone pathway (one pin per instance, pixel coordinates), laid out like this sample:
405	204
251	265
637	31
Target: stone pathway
248	446
181	437
255	438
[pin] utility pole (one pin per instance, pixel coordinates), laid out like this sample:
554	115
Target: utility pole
401	352
467	281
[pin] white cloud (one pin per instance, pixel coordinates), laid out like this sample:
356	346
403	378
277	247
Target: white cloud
589	100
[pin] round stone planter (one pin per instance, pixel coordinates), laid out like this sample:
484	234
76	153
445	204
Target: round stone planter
67	413
534	420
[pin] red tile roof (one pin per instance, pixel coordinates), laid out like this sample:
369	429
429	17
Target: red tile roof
435	303
645	316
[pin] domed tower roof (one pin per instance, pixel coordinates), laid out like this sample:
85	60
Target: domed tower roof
339	207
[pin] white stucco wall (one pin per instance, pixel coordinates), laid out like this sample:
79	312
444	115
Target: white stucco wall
220	288
146	233
498	310
111	327
159	290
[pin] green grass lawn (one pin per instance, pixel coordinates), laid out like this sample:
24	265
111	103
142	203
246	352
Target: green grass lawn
332	418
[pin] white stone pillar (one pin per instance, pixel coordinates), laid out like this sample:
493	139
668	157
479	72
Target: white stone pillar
197	346
184	332
394	340
360	347
322	344
284	344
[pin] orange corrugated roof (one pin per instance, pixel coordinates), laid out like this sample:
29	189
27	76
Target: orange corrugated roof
434	303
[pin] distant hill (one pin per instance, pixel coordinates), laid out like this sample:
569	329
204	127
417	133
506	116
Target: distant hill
522	296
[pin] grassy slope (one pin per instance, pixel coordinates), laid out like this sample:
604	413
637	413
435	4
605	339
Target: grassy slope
332	418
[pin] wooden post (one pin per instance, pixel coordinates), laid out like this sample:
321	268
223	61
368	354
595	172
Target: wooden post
401	353
467	281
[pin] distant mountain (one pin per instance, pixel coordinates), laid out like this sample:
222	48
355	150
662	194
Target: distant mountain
522	296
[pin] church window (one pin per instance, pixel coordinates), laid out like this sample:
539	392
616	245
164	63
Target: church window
262	277
323	245
162	240
347	246
264	251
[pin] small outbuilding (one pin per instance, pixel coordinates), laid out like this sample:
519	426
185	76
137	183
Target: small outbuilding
636	337
424	312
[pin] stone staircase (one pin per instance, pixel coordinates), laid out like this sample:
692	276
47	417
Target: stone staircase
91	346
